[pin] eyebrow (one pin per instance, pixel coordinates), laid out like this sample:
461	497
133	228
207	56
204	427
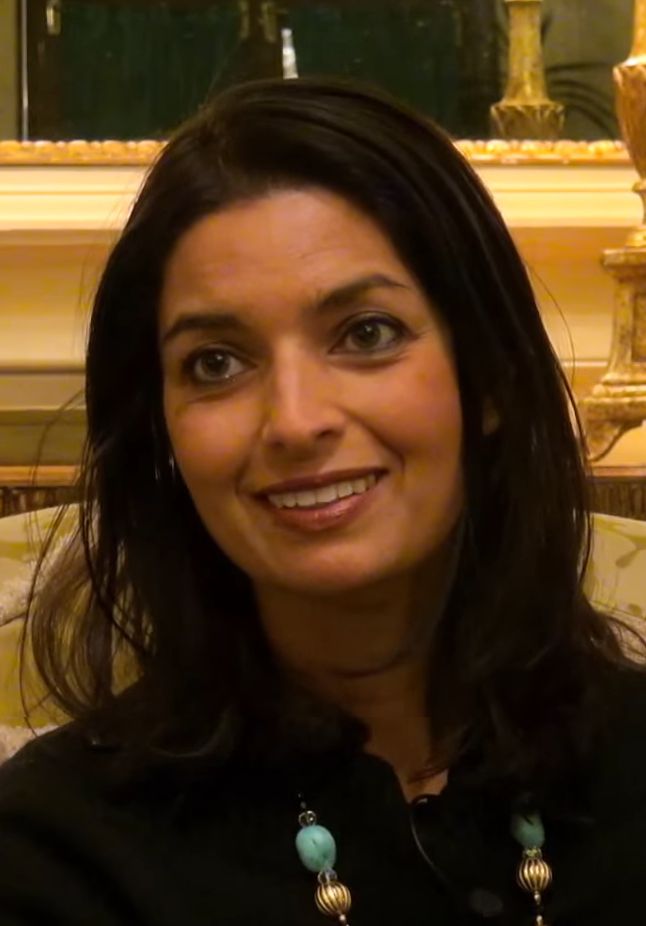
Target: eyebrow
215	321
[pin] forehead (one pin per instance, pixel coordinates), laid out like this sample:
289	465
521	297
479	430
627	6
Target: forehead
286	239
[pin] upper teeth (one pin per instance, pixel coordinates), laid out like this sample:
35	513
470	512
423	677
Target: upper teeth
323	495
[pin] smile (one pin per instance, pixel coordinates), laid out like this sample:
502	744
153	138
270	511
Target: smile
314	498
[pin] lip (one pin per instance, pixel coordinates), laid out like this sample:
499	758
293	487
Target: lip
319	481
331	515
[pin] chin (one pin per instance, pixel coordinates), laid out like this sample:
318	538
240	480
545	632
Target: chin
337	579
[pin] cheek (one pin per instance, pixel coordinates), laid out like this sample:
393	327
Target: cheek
208	445
434	431
424	413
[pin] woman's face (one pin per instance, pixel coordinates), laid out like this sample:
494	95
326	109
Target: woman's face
310	395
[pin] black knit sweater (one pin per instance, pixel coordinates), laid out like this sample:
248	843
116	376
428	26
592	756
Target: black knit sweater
77	849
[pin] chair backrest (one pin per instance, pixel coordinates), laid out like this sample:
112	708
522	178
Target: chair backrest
21	537
616	577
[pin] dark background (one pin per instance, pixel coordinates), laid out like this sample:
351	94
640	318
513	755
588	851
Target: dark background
135	68
131	69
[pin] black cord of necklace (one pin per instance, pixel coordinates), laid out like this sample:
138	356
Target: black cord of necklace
479	901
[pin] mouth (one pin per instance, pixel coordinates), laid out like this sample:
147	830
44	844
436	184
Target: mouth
322	496
328	506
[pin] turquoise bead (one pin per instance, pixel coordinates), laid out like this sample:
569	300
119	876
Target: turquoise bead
527	829
316	848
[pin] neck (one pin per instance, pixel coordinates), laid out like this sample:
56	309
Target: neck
351	651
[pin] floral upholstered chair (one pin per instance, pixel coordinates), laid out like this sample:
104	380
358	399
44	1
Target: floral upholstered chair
21	537
616	583
616	578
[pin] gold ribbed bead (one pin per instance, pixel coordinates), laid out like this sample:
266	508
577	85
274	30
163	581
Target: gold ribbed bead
333	898
534	874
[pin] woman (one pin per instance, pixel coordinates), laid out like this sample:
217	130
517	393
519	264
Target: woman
334	520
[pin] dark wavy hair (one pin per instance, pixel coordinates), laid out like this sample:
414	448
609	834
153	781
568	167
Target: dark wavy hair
517	653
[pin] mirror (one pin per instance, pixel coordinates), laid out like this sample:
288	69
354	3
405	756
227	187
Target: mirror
128	70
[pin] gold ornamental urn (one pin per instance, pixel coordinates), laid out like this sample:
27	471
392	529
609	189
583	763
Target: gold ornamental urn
618	402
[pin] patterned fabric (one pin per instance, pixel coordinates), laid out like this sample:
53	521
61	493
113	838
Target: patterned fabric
21	537
616	578
616	584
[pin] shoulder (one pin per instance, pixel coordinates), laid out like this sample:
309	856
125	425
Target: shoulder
623	711
618	766
49	815
55	786
63	755
39	756
71	780
65	831
596	844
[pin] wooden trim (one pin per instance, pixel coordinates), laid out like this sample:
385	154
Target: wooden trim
619	490
26	488
599	471
39	477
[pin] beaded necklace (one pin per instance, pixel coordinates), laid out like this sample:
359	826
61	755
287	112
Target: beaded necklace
316	849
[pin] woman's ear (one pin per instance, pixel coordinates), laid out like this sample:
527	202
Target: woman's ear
490	418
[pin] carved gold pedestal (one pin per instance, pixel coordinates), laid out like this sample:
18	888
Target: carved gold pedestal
526	111
618	402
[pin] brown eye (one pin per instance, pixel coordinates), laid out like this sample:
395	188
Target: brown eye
213	366
372	334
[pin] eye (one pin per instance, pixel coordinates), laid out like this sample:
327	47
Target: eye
371	334
212	366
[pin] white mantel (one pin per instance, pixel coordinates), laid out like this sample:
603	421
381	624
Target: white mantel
43	201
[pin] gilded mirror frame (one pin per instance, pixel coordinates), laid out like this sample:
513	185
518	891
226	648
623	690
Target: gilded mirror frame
525	74
141	153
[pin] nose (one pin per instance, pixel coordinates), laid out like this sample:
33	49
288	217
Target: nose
302	410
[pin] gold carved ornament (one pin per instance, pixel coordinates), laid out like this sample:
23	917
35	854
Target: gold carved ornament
618	402
143	153
526	111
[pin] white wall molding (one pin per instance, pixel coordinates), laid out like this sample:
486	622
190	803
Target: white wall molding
39	387
55	204
546	196
63	204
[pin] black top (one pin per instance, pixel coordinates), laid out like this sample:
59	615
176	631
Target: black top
75	849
